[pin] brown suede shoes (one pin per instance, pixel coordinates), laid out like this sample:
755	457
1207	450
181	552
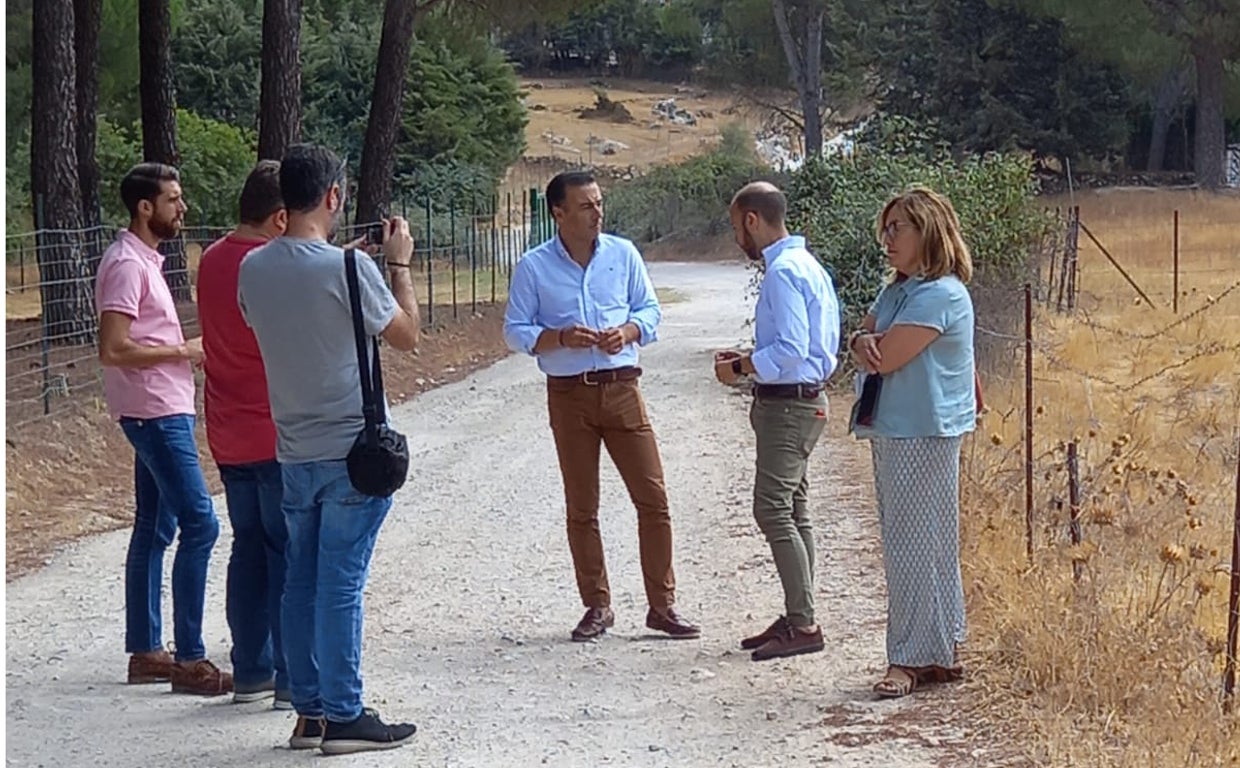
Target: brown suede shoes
201	678
594	624
756	641
150	667
789	641
671	623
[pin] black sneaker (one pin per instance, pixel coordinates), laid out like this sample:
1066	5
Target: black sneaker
244	693
307	733
364	734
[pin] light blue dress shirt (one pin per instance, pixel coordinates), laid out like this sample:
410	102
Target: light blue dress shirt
797	319
931	395
551	291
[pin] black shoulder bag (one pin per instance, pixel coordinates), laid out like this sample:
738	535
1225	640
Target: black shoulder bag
378	462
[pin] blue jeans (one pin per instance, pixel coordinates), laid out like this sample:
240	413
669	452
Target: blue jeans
331	534
170	492
256	571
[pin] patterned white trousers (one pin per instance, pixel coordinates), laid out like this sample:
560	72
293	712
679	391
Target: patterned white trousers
918	487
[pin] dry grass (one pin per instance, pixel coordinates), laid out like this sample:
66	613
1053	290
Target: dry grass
555	105
1123	668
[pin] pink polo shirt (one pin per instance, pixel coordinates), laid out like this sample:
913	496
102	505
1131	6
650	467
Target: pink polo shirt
131	281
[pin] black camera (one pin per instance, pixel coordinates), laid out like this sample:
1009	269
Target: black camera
374	233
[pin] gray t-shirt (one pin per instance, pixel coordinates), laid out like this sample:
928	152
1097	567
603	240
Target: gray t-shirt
293	293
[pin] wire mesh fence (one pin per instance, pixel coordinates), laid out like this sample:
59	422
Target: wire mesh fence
464	255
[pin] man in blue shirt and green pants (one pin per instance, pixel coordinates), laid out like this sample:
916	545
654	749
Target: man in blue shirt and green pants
581	303
797	336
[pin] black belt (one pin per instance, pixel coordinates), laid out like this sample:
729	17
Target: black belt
609	376
788	391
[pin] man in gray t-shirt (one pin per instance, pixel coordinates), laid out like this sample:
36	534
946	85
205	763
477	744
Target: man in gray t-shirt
307	341
293	293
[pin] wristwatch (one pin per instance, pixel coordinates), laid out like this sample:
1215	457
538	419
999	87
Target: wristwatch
736	366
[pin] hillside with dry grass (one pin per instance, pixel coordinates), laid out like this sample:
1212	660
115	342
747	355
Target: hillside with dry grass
1124	666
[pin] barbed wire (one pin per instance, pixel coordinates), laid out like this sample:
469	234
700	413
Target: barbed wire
1209	350
1047	353
1166	329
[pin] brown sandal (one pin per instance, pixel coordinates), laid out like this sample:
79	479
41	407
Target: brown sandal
897	683
937	674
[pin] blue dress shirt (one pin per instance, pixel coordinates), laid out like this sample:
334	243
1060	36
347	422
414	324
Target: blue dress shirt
550	291
797	319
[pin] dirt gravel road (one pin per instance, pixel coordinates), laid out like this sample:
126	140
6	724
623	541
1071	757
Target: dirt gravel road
471	600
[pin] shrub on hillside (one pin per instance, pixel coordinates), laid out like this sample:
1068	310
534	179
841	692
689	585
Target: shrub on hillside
687	199
835	201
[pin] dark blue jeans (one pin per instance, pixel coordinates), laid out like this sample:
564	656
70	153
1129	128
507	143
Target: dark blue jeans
256	571
331	535
171	493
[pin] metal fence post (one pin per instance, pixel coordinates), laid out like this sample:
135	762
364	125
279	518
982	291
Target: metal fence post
430	264
1233	603
1175	264
1029	421
1074	503
44	344
494	241
509	244
452	251
473	254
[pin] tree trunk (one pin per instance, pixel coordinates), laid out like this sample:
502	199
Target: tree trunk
374	189
1166	100
68	311
805	66
1209	142
87	18
279	116
159	121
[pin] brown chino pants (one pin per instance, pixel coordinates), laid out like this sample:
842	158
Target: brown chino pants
583	417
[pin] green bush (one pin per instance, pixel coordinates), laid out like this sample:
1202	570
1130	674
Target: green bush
835	201
688	199
215	159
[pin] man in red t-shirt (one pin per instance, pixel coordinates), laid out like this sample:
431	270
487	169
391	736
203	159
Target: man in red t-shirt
242	438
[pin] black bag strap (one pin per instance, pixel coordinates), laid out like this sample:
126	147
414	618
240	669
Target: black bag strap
372	390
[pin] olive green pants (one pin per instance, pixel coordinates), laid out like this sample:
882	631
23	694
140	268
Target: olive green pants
787	431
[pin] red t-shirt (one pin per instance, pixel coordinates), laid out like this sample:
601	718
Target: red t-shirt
239	425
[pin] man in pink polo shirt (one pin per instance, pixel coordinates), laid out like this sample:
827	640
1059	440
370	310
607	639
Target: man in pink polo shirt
149	386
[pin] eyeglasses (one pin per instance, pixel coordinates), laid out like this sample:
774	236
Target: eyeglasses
894	227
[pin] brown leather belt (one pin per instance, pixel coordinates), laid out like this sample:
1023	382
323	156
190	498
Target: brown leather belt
609	376
788	391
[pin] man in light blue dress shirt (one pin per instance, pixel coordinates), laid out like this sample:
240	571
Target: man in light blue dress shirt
797	337
581	303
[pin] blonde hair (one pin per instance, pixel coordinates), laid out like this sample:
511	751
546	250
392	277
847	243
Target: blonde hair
942	251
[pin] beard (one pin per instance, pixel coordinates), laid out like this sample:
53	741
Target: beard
165	229
751	249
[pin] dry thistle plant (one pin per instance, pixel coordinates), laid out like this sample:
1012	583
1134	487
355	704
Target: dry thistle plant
1124	666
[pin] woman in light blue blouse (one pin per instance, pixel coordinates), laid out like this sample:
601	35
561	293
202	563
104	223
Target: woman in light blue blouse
916	347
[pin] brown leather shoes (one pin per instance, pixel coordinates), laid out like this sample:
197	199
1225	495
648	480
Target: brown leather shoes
150	667
201	678
789	641
749	643
594	624
672	623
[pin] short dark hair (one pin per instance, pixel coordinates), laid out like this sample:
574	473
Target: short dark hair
144	181
307	172
763	199
557	188
260	197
